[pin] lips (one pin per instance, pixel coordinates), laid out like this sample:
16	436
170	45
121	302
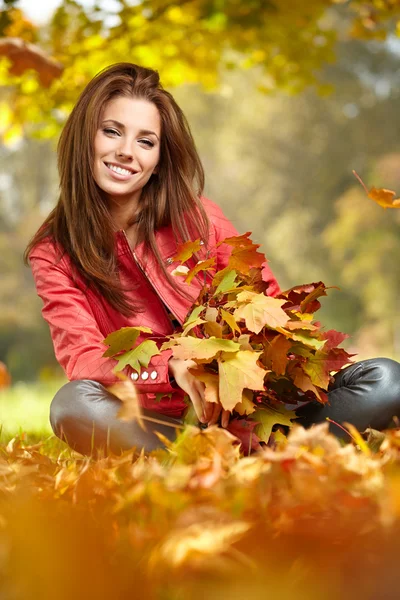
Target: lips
119	171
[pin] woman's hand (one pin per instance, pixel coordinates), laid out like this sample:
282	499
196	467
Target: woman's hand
207	412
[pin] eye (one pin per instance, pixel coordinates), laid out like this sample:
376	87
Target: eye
148	143
110	131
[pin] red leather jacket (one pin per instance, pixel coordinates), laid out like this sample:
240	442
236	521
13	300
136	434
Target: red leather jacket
80	318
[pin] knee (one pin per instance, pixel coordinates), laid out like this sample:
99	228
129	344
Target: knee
387	372
384	376
67	405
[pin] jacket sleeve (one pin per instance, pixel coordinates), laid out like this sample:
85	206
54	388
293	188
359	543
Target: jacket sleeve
77	339
223	229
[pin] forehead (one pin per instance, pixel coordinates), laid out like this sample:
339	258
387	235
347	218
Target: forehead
133	113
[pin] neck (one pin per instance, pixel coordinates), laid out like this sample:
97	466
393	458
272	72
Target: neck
123	213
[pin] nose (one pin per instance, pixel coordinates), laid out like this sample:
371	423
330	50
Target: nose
125	150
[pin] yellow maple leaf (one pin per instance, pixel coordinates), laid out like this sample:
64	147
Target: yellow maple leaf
259	310
237	372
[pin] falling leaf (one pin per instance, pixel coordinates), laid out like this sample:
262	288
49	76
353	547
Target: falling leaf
238	371
259	311
123	339
199	348
383	197
138	357
267	417
186	251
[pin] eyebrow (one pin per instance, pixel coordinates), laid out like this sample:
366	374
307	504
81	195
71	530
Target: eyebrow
122	126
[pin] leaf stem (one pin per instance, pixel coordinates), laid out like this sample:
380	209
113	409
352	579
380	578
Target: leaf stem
343	428
360	180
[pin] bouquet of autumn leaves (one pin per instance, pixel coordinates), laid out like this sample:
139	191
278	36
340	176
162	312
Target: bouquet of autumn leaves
254	353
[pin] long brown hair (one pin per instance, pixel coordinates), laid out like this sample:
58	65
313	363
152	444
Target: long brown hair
81	222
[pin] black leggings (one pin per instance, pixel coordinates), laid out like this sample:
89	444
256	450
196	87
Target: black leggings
84	414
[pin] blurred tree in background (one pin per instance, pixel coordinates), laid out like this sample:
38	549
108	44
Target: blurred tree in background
284	99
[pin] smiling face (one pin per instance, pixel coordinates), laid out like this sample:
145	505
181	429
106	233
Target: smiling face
126	149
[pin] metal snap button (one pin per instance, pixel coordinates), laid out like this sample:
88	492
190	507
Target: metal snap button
135	376
153	375
145	375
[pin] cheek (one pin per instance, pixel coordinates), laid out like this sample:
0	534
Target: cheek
101	146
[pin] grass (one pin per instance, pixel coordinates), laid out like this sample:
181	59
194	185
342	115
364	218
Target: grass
24	408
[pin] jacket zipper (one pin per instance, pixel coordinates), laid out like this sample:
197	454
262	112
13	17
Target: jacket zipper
137	262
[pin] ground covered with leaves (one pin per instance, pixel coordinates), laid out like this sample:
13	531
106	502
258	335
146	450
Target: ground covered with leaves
307	517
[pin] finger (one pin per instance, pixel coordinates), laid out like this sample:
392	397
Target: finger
215	415
207	406
225	418
197	405
208	410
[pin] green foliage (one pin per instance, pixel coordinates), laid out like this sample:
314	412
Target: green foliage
186	42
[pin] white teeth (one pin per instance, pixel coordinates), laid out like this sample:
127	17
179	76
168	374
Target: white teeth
119	170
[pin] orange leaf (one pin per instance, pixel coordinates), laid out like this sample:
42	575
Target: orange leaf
276	354
304	383
186	250
5	377
202	265
244	255
383	197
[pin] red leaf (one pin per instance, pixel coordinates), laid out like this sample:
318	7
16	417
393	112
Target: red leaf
334	338
243	430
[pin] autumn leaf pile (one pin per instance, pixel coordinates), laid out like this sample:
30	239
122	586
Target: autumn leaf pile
254	353
309	519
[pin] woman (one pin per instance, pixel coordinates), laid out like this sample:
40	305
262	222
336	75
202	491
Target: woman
131	189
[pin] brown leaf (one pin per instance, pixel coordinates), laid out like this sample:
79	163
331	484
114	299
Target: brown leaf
276	354
24	56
